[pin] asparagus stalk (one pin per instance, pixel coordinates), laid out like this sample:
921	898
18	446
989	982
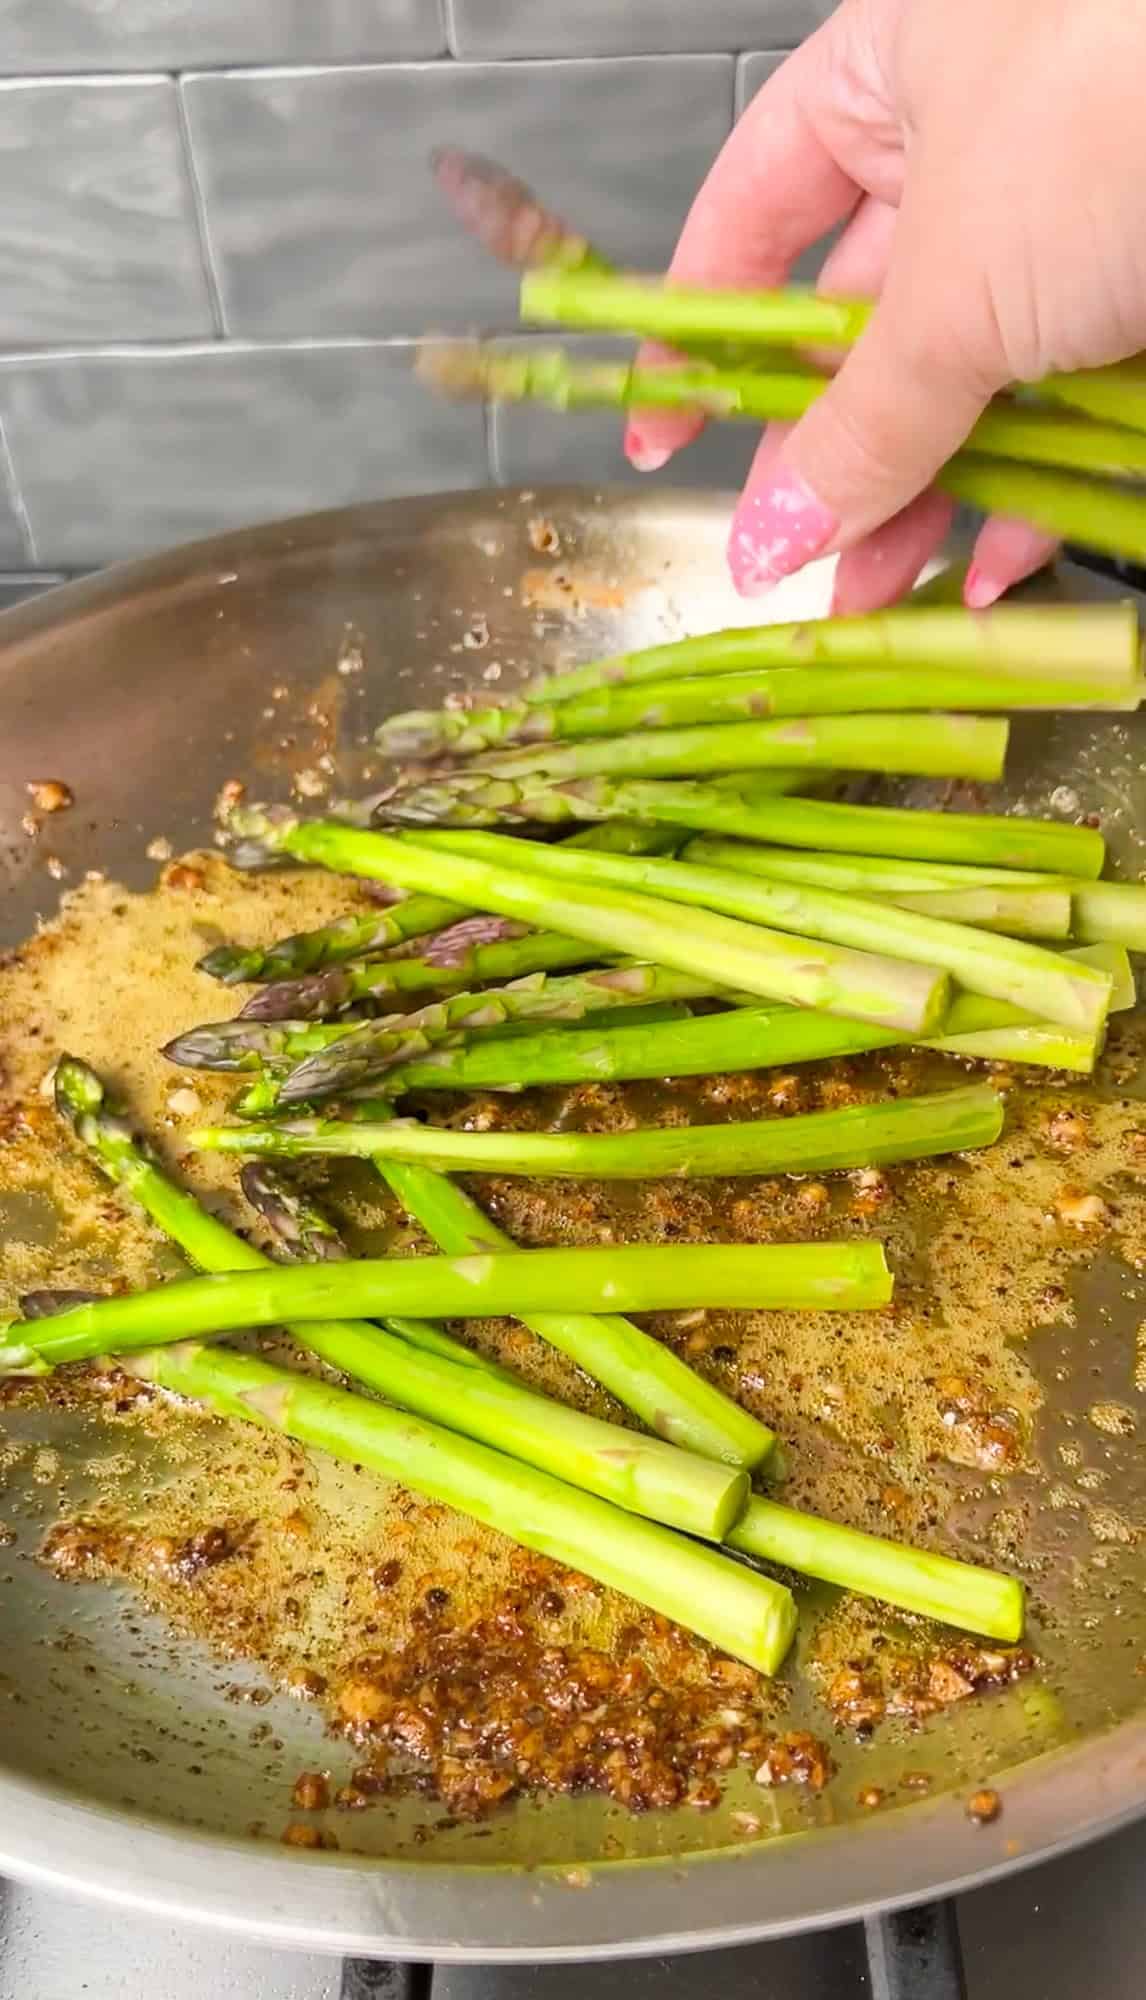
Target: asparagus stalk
1110	911
624	303
1046	847
729	390
1117	393
370	1046
1098	513
957	1593
728	1604
1030	913
460	953
303	1232
935	746
1052	640
876	875
347	937
722	698
858	1135
739	956
979	1600
1076	996
644	1375
753	1038
801	1277
507	218
417	1365
513	952
367	1051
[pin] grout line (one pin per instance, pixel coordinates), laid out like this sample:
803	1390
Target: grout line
203	227
10	479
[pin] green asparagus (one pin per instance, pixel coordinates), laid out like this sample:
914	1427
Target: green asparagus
958	1593
802	1277
347	937
1044	846
756	393
1076	996
370	1046
935	746
512	951
858	1135
419	1366
723	698
752	1038
644	1375
730	1605
742	957
368	1050
1042	640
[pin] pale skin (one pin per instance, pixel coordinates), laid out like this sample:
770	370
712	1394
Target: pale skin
988	161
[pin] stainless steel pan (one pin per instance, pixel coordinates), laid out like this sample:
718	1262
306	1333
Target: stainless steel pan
146	688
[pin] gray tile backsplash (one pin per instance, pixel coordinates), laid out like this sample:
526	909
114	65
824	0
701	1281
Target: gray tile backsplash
119	454
98	237
218	229
323	215
45	35
483	28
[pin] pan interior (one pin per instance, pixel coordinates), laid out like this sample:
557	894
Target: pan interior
266	658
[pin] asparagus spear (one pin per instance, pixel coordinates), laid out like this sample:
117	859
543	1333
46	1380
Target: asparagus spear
371	1045
1030	913
979	1600
1076	996
507	218
731	1606
1044	846
369	1051
754	1038
417	1365
347	937
935	746
801	1277
1047	639
730	390
514	951
640	1371
1117	392
742	957
976	1599
457	954
624	303
858	1135
1113	911
1100	514
303	1232
714	698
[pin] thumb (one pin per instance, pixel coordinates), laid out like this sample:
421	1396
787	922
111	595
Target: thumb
903	402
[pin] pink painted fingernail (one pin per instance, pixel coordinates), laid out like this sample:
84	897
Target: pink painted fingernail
775	531
979	590
644	457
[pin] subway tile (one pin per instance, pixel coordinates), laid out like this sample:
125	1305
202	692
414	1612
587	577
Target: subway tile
532	444
752	71
323	214
121	453
39	36
485	28
99	238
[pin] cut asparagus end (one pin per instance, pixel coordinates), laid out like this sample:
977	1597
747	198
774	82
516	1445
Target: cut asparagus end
957	1593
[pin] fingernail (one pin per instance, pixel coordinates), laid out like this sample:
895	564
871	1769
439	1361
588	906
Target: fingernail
645	457
776	531
979	590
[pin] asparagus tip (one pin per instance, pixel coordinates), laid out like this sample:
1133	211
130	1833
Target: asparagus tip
77	1090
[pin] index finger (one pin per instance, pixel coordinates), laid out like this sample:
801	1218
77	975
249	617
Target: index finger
773	190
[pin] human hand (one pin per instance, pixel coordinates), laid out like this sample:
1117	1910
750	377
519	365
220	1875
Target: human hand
990	155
